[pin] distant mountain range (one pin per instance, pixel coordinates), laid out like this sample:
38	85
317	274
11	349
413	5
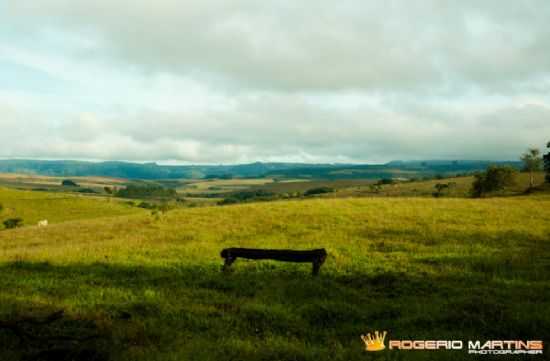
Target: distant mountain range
151	171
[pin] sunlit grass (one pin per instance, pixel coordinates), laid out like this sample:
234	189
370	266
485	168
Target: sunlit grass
459	187
416	267
57	207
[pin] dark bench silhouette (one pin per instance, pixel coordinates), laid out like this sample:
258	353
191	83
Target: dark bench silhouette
316	256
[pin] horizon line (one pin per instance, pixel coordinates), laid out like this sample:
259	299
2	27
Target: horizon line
169	163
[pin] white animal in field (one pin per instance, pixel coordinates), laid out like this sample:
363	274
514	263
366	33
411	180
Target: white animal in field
43	223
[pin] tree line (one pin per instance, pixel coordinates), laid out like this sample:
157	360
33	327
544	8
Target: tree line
547	163
496	178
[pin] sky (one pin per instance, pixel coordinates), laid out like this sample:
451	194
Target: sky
209	82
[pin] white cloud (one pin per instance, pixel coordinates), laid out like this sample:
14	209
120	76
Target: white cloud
316	44
214	81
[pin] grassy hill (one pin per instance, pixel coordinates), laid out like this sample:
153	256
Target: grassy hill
153	171
417	267
345	188
29	181
460	187
57	207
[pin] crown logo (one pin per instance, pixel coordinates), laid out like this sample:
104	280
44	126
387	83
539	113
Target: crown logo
375	343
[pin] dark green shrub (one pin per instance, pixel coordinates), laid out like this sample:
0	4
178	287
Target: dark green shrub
319	190
218	176
146	191
254	195
68	183
495	178
440	189
86	190
226	201
13	223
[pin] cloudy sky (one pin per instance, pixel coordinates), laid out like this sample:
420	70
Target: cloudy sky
237	81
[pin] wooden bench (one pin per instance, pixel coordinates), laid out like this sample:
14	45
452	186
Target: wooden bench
316	256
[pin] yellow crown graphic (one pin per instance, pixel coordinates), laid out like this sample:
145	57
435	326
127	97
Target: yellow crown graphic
375	343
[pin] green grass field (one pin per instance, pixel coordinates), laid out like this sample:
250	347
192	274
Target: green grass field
31	181
57	207
419	268
221	185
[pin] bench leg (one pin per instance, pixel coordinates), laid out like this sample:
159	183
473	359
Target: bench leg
227	263
317	266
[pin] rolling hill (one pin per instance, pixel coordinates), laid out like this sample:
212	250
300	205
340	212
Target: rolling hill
152	289
57	207
151	171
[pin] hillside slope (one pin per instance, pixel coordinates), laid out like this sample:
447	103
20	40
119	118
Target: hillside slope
416	267
458	187
57	207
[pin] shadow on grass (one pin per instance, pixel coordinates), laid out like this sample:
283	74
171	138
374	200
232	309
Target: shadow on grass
264	311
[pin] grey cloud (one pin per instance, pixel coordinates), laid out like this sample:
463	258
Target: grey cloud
216	81
279	128
392	45
527	118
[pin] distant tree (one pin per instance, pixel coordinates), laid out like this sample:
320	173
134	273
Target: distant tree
146	191
250	196
547	163
108	190
68	183
532	162
229	200
13	223
495	178
218	176
439	189
319	190
385	181
87	190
